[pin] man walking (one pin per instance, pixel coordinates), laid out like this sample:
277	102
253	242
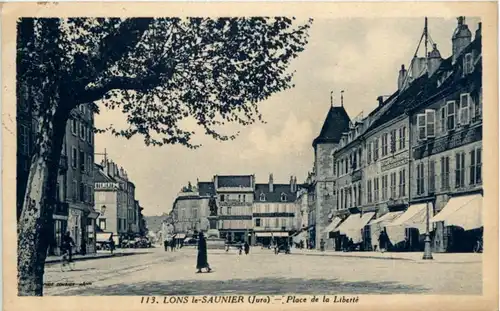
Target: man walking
201	260
247	248
67	245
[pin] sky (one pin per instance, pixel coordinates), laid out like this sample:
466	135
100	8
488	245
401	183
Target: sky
358	55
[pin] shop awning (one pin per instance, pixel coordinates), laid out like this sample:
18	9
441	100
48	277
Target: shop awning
93	215
353	226
386	218
463	211
271	234
331	226
102	237
300	237
413	217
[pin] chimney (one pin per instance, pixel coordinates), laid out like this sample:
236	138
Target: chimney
417	67
380	100
271	185
433	60
295	183
478	31
461	38
291	183
402	77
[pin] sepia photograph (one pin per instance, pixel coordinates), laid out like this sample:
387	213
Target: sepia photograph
249	158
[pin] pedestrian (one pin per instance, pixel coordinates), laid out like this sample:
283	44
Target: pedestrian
165	244
240	248
111	243
382	242
301	244
247	248
201	260
67	245
350	245
322	245
172	245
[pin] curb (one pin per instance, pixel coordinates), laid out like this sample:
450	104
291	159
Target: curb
58	260
354	256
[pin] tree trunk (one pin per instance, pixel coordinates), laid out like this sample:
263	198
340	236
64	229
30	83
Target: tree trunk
35	223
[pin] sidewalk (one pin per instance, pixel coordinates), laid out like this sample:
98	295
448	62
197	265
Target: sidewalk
412	256
101	254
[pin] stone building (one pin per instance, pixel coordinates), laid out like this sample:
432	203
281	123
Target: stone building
336	122
274	211
112	192
446	141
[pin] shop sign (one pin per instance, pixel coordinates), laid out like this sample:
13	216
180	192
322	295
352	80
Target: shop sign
396	161
107	186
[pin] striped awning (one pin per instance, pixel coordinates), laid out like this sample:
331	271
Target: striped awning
463	211
331	226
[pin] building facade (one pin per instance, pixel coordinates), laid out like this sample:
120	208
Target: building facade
274	211
446	140
112	192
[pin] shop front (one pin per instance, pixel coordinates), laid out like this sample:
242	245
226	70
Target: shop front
459	225
60	224
331	241
271	238
377	226
407	231
353	232
91	232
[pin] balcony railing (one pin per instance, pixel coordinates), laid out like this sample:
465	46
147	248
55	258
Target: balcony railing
357	175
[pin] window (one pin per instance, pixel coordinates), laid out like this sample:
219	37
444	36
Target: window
393	141
257	222
465	104
342	197
82	161
222	198
354	194
430	116
393	185
369	191
442	119
459	170
450	108
402	183
375	150
229	210
89	164
384	187
82	131
74	157
468	64
244	197
283	197
359	194
432	176
445	173
74	127
402	138
75	191
384	144
376	190
82	192
369	153
420	178
24	139
102	224
475	167
262	197
334	168
239	197
421	125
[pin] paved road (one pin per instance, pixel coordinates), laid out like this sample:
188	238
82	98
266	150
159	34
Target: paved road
156	272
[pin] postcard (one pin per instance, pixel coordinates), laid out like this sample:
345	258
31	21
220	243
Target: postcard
166	156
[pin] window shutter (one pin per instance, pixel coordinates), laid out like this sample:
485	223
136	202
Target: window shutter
430	117
450	107
464	109
422	130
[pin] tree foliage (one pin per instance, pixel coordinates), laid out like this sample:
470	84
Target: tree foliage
162	71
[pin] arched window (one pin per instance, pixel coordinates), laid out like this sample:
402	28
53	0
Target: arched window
262	197
283	197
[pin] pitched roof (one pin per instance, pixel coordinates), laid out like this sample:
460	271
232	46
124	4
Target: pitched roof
206	188
336	122
100	176
274	196
234	181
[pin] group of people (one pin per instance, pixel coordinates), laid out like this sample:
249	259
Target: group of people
171	244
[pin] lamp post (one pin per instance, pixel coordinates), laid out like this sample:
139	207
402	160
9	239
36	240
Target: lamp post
427	247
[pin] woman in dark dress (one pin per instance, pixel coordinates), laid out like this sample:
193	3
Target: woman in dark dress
201	261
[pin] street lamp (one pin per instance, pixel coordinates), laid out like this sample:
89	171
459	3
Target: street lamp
427	245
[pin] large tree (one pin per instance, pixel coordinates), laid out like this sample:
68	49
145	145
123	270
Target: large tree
158	72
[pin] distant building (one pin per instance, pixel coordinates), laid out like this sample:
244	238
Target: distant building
274	211
114	198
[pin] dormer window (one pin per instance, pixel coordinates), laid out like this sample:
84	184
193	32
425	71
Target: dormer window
262	197
468	64
283	197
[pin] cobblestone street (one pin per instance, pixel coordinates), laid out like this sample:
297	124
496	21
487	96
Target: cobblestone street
155	272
